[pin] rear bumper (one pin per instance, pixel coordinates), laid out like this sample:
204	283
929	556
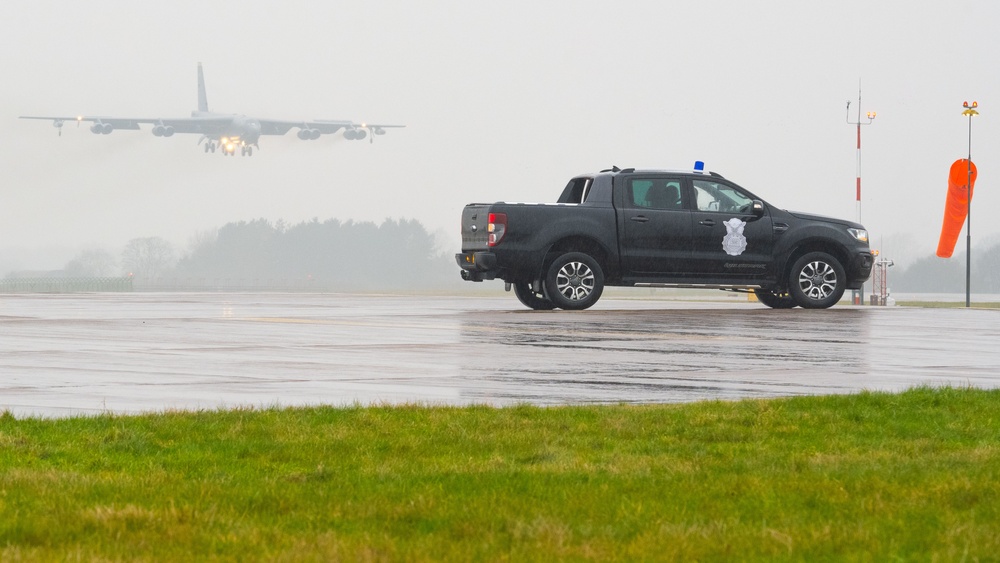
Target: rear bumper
477	266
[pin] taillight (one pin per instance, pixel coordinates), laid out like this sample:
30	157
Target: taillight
496	228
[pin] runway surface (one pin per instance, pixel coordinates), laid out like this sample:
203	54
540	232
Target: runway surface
73	354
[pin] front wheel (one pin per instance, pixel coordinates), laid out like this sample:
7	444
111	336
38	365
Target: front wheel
817	281
574	281
530	299
774	300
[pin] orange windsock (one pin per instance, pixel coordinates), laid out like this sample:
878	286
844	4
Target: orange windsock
956	207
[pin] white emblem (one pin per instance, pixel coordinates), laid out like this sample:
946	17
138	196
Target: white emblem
734	243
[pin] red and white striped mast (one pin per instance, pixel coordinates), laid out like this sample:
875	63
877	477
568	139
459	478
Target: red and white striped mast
859	294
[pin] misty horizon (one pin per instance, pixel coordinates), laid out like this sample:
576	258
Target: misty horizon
335	255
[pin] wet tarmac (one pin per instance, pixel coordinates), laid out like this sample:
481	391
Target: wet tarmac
125	353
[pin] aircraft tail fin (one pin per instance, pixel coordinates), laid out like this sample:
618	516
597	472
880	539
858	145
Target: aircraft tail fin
202	98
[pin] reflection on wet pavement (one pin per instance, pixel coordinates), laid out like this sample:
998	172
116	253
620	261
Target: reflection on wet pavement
69	354
671	355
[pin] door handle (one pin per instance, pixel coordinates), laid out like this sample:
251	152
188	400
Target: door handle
707	223
639	218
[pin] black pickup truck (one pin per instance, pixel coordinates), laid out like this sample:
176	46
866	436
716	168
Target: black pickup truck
659	228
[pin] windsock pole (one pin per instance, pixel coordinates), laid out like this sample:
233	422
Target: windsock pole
970	110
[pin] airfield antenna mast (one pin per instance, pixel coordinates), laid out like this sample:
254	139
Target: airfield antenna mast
859	294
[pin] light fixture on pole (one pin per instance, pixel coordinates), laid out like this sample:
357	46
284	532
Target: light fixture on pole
970	110
859	294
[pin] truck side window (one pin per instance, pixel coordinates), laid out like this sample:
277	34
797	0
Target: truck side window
712	196
655	193
576	191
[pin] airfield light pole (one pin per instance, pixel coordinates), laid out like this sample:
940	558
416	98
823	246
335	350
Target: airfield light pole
970	110
859	294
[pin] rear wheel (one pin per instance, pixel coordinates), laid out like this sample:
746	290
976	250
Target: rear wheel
774	300
530	299
817	281
574	281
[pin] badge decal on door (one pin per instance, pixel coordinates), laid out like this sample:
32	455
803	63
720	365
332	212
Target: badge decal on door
734	243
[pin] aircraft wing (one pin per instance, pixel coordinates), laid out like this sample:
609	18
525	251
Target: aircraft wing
116	122
324	126
206	125
218	126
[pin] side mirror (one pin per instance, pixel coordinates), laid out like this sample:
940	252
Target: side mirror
757	208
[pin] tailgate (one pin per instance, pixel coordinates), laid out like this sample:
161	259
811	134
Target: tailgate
475	218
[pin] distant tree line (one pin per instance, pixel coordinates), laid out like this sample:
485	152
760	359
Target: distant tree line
396	254
325	255
947	275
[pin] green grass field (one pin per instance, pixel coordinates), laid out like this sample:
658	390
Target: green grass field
871	477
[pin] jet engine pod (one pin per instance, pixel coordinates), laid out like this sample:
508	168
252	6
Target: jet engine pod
355	134
158	131
97	129
106	129
168	131
308	134
378	131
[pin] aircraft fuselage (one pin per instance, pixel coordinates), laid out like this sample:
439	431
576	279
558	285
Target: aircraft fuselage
239	127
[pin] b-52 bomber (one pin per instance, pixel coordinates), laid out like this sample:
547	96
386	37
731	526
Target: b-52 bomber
224	131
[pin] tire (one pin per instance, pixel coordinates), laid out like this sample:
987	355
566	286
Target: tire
775	300
574	281
817	281
530	299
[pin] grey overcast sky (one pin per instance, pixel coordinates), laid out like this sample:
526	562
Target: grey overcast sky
502	100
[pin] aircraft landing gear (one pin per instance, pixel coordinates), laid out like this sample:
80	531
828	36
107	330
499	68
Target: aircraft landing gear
229	148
